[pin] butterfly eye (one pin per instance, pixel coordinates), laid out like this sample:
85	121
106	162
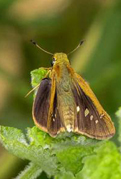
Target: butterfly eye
53	61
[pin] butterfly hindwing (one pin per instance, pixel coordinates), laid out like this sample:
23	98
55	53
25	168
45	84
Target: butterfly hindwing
45	112
42	104
91	119
55	124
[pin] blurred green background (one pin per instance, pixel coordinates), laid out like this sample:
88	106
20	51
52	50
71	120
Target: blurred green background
57	26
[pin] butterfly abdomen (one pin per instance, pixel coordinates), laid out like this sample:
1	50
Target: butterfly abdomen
65	99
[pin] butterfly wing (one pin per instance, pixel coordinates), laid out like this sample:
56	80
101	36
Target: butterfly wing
42	103
91	119
45	112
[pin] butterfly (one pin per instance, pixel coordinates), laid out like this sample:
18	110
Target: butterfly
65	102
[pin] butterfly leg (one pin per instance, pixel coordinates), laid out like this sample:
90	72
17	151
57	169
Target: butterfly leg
47	74
49	68
32	90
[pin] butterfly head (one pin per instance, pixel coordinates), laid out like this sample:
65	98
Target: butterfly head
59	58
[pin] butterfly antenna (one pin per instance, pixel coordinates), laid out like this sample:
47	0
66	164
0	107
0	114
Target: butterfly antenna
82	41
41	47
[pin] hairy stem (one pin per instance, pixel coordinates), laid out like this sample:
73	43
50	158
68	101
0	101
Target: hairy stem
32	171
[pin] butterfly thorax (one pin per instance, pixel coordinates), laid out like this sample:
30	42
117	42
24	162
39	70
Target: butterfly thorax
65	99
60	58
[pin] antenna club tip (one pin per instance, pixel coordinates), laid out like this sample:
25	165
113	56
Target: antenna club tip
33	42
81	42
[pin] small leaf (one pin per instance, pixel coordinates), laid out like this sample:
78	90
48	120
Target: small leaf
37	75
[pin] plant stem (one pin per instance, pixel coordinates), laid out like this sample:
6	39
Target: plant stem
32	171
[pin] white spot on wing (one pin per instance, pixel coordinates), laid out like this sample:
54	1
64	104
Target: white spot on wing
53	119
69	128
86	112
96	121
78	108
91	117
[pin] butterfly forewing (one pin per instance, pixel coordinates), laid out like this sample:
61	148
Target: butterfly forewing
91	119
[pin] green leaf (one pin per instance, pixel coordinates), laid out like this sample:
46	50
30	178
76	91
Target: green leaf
64	175
37	75
103	164
71	158
67	155
14	141
45	151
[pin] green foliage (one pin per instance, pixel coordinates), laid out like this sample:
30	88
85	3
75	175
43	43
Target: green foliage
105	163
67	155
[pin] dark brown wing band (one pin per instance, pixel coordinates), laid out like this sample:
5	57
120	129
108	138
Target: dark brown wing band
89	121
42	103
